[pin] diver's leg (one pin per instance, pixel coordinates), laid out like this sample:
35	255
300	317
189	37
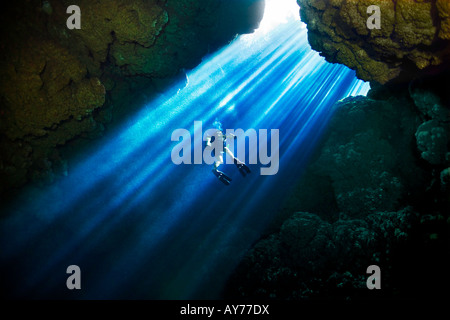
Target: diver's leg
219	174
243	168
218	162
232	155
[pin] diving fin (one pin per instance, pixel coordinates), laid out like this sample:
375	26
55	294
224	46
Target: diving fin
222	176
243	168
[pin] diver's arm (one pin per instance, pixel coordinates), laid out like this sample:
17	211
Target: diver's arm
230	136
208	141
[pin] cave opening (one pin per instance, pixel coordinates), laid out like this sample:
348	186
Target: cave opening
140	226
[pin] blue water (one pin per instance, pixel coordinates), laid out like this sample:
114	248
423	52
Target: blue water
141	227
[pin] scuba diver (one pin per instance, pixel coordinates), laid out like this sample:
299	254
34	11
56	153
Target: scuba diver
242	167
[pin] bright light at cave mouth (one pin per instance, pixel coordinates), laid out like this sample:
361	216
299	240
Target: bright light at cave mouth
278	12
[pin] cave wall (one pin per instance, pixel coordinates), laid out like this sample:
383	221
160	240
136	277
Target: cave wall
60	86
377	189
367	161
413	39
369	196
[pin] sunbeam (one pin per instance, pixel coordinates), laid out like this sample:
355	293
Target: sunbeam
140	226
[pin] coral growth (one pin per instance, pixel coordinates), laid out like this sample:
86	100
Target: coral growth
366	162
432	142
413	38
310	257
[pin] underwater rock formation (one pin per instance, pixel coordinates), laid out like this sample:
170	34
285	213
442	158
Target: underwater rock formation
60	85
414	37
432	99
310	257
368	197
367	162
377	190
432	142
